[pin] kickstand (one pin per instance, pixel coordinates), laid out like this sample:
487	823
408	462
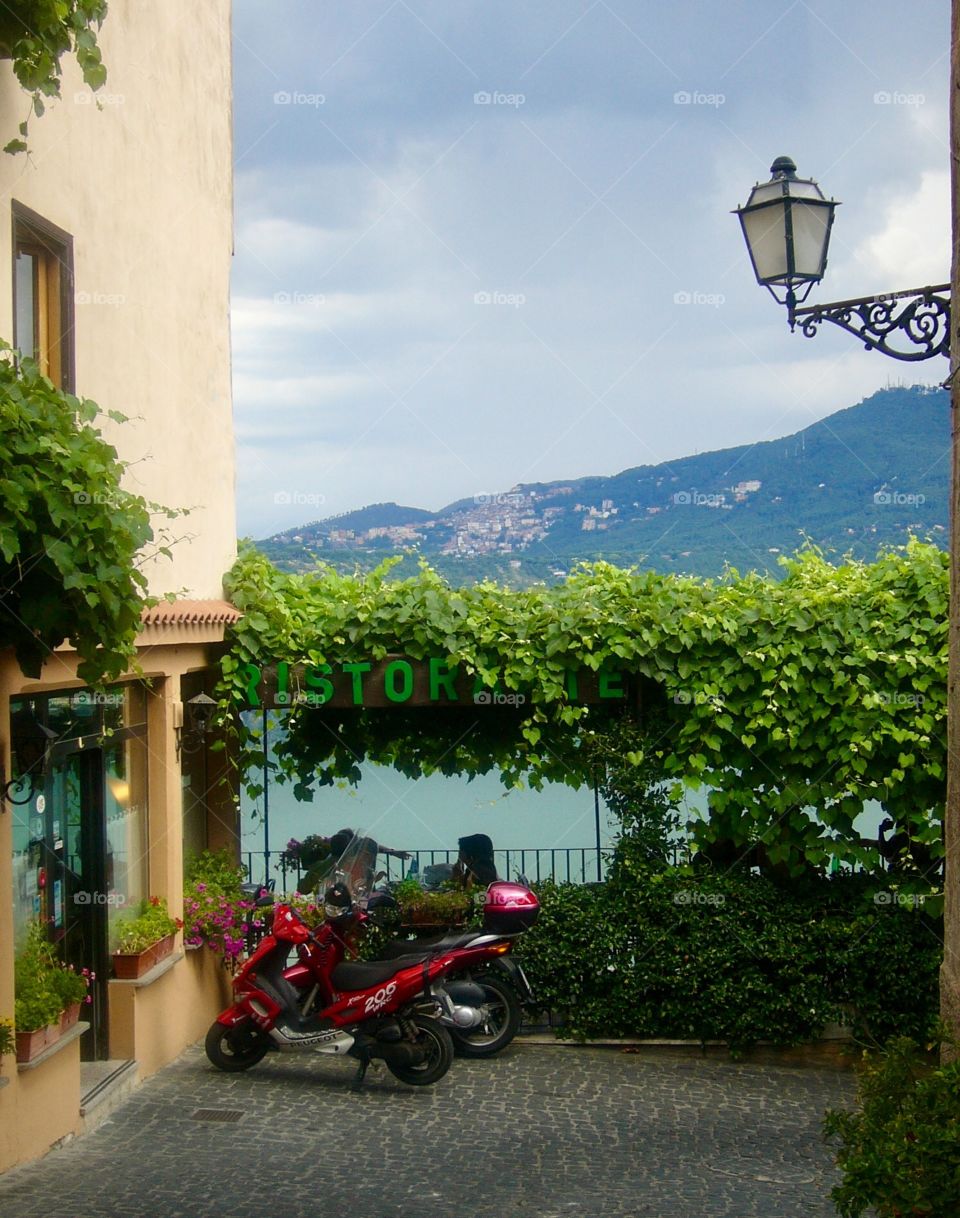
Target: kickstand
360	1074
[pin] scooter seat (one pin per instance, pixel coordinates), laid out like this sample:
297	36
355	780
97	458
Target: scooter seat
362	974
425	948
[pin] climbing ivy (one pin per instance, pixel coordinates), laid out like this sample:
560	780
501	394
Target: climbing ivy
70	536
792	701
35	35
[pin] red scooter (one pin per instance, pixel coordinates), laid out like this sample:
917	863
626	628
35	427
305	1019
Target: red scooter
392	1010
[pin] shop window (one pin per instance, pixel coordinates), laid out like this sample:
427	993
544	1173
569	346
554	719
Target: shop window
194	783
125	813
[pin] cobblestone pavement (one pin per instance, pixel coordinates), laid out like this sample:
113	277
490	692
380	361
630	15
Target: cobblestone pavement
544	1131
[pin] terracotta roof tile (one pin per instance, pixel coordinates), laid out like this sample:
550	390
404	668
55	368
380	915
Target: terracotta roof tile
191	613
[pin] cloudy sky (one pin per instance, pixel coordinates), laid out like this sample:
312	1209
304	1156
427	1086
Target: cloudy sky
482	242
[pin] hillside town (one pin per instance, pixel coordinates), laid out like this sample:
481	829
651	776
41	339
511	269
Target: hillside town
509	522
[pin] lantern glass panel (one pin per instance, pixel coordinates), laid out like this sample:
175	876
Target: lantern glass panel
765	193
811	223
801	188
764	231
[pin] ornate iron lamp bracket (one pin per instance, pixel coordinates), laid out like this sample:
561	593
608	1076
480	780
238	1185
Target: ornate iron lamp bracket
911	325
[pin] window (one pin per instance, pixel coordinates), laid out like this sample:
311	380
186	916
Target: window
43	294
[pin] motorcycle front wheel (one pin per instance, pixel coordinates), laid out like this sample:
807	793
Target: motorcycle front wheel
500	1023
435	1041
236	1048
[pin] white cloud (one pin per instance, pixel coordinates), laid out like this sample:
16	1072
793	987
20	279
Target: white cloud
369	227
912	249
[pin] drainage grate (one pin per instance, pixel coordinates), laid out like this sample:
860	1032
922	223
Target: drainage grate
217	1114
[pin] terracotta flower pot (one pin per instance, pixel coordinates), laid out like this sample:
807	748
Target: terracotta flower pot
69	1016
31	1044
128	966
426	916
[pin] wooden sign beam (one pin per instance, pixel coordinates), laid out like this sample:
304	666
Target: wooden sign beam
401	682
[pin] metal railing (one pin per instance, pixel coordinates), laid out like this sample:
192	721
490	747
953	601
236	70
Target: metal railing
563	865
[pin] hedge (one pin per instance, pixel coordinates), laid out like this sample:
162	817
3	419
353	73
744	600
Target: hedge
733	958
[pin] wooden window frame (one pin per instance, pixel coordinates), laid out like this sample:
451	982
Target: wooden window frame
32	233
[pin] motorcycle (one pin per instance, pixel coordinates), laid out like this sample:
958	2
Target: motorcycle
500	985
493	985
395	1010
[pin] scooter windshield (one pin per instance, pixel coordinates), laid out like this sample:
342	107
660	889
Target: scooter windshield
355	869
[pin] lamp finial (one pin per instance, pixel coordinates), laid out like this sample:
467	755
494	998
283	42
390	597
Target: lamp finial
783	167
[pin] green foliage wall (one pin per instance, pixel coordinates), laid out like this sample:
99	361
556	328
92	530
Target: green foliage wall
819	691
69	534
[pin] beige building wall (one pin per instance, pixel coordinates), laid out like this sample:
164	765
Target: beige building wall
143	184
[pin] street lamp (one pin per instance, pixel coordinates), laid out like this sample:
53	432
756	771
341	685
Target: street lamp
198	713
786	224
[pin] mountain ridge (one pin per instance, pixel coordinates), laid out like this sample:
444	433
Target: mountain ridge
867	475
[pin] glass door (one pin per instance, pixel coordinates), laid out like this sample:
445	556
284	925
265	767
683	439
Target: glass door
80	845
77	884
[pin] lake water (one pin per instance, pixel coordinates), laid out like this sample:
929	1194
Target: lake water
430	813
427	813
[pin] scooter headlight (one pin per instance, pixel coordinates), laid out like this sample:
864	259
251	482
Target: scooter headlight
337	902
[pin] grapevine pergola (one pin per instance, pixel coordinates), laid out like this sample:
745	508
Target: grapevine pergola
793	701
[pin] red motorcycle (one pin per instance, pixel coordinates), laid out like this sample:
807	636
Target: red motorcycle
487	987
392	1010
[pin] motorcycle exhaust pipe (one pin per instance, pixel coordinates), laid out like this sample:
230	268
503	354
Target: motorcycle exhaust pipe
464	1018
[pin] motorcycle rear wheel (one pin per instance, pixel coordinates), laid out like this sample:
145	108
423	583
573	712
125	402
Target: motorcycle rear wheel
435	1040
236	1048
500	1024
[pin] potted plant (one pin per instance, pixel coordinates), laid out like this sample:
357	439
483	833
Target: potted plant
72	988
36	1012
37	1005
420	907
216	911
144	940
310	858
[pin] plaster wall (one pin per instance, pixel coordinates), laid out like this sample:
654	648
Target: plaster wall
143	183
40	1106
152	1024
